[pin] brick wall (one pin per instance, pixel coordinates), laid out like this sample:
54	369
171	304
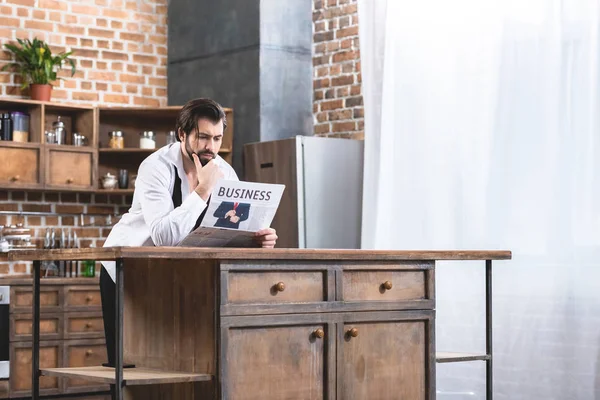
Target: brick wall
338	102
96	208
120	47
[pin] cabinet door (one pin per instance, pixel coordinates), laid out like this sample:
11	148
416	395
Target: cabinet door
273	358
51	354
69	168
84	353
388	356
20	166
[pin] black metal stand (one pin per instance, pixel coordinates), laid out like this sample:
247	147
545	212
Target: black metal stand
119	331
35	364
489	373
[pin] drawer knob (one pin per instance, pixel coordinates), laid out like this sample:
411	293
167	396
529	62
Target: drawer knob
280	287
88	324
69	180
88	298
353	332
387	285
319	333
15	178
89	352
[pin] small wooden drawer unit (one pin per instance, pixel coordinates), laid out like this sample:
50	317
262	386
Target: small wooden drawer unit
82	298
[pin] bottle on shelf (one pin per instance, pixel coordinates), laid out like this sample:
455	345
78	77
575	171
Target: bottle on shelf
88	267
7	127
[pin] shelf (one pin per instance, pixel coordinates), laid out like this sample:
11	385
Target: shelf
10	143
451	357
131	376
114	191
127	151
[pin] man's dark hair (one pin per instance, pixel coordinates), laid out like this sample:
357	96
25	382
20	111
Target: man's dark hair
193	110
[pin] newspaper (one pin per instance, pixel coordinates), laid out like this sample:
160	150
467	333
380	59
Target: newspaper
236	211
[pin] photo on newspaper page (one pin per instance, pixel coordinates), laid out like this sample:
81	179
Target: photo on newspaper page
236	210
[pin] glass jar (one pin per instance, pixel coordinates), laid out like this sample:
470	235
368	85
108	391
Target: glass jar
20	127
116	140
171	137
60	131
147	140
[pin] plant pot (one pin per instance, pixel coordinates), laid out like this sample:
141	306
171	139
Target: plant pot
40	92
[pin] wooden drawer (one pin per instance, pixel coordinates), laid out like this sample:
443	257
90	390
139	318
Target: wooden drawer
384	285
84	353
84	325
51	355
19	166
276	287
3	389
21	326
82	298
69	168
21	299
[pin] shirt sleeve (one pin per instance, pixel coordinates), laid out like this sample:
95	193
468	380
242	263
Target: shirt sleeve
168	225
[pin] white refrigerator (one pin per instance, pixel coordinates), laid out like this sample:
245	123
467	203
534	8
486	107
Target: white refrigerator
322	201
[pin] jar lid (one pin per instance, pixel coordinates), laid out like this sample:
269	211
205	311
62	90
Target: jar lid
58	123
19	113
147	134
115	133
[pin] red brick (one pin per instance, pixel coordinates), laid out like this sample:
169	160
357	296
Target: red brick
162	50
354	101
133	47
350	9
335	69
101	33
320	48
134	37
101	76
114	98
116	13
161	71
344	126
103	44
340	115
34	221
132	68
116	88
67	221
9	21
132	89
319	26
160	92
28	3
347	68
116	24
332	105
345	21
323	37
69	209
355	90
147	91
346	43
54	16
357	135
158	39
345	32
318	95
343	92
104	210
360	124
132	79
88	53
83	9
111	55
101	65
88	232
71	19
101	23
4	269
342	80
68	84
86	96
87	42
332	25
101	86
71	41
22	12
321	117
321	83
146	70
86	63
157	81
145	59
333	46
14	90
322	71
322	128
144	101
345	56
330	94
20	268
102	3
6	11
71	30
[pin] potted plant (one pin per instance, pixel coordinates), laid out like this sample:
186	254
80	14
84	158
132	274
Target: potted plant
37	66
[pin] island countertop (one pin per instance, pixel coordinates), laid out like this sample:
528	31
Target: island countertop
113	253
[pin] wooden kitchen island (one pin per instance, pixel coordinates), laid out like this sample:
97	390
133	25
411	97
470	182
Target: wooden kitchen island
268	324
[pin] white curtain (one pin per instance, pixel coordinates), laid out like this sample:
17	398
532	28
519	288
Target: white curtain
482	132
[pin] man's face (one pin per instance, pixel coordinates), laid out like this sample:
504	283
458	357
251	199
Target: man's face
205	143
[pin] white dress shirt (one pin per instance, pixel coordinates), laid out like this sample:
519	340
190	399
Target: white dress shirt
152	219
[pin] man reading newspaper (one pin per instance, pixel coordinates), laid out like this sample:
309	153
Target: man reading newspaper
172	192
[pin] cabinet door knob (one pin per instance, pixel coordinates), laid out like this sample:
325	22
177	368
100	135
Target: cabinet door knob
353	332
88	298
88	324
15	178
69	180
89	352
387	285
319	333
280	286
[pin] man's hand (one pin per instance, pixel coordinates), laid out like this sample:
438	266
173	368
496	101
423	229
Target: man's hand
234	219
266	237
208	176
230	213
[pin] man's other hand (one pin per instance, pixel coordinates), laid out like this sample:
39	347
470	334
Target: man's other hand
266	238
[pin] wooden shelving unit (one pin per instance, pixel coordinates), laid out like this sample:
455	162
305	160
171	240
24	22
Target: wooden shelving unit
37	165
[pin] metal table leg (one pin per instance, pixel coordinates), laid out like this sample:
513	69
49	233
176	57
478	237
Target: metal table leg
35	365
489	373
119	331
